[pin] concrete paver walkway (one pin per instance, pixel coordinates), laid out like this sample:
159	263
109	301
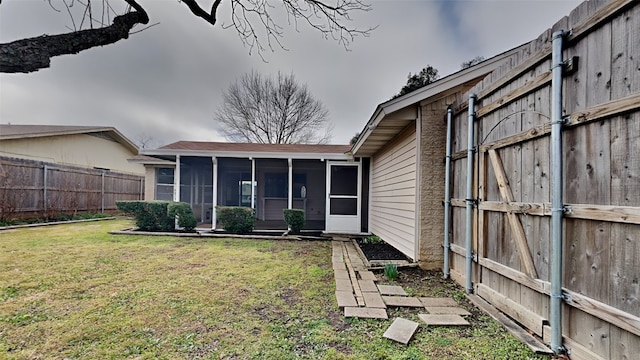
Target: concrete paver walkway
359	295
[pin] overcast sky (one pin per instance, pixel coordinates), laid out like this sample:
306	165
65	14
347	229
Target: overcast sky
167	81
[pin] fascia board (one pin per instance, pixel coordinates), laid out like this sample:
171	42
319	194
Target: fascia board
246	155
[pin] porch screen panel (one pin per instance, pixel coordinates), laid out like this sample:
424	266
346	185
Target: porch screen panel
393	193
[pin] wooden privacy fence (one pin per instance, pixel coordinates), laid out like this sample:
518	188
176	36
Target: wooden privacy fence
31	188
601	169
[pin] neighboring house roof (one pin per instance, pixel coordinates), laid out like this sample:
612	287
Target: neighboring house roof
10	132
392	116
251	150
150	160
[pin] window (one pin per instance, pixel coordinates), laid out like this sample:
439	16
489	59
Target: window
164	184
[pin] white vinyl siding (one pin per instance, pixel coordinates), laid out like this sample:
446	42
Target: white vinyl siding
393	193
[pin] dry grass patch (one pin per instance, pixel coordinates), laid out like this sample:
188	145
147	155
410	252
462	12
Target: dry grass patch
74	291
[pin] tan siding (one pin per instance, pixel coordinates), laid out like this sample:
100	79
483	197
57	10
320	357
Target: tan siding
78	150
393	193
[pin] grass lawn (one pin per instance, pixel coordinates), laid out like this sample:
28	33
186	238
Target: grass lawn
74	291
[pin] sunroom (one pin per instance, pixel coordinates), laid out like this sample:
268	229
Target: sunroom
323	180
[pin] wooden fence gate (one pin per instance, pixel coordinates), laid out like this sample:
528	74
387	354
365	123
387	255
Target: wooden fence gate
601	160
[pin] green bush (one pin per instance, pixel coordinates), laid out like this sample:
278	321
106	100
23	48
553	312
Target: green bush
391	271
295	219
235	219
372	239
149	215
183	212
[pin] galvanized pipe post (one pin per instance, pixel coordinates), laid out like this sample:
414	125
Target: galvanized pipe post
470	201
447	194
557	205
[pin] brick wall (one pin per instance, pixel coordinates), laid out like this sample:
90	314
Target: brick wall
432	155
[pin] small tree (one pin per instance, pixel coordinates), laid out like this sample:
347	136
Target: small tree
470	63
425	77
264	110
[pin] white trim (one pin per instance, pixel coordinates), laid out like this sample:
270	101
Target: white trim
253	182
290	185
246	154
176	180
418	211
346	223
214	184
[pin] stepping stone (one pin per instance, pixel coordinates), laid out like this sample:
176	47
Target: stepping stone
365	312
373	300
431	319
439	302
345	298
449	310
391	290
343	285
368	275
341	274
339	266
401	330
402	301
367	286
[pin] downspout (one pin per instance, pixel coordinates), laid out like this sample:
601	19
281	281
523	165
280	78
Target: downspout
468	234
447	194
557	206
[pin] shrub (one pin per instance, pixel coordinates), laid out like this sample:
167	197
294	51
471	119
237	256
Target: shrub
372	239
149	215
183	212
391	271
295	219
235	219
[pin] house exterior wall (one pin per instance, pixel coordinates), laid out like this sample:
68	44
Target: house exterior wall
77	149
433	139
150	183
393	192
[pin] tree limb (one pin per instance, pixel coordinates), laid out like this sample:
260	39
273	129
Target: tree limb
33	54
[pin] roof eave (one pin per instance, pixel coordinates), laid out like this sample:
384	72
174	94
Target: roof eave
246	154
429	91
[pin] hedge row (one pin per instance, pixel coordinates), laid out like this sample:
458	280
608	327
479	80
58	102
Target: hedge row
159	215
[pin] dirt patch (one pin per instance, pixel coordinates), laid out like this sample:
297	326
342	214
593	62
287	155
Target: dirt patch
380	251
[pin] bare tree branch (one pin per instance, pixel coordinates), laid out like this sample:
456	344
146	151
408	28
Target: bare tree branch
253	20
33	54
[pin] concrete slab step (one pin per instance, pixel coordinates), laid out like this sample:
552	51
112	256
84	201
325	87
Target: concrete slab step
391	290
345	299
447	320
367	275
401	330
341	274
365	312
343	285
438	301
373	300
450	310
367	286
402	301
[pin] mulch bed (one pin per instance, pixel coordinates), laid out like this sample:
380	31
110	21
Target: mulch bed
381	251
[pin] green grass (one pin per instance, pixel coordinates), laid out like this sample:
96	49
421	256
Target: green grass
76	292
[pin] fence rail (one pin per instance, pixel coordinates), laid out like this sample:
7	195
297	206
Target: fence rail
32	188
